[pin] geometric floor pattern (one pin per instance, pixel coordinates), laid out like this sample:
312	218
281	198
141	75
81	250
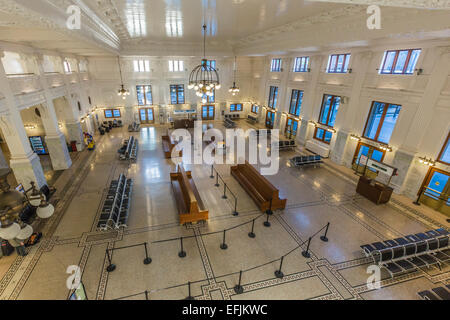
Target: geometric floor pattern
316	196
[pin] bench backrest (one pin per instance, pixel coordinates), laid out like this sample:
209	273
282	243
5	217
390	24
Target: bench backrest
264	187
188	194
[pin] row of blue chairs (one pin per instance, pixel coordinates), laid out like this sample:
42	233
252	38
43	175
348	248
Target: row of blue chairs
301	161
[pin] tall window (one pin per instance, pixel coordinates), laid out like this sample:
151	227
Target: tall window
236	107
400	61
67	67
177	93
210	99
112	113
291	127
144	95
255	108
141	65
329	110
381	121
176	65
301	64
338	63
323	135
211	64
273	97
296	102
444	156
275	66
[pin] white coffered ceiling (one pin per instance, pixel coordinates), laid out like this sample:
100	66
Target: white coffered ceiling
247	27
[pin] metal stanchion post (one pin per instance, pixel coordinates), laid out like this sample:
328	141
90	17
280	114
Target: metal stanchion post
223	245
224	191
251	234
238	288
235	212
279	274
217	180
324	237
189	297
111	267
269	211
147	259
182	253
417	203
212	172
267	223
146	295
306	253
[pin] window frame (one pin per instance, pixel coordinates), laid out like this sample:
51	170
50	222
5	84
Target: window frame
286	125
394	63
276	67
178	63
380	124
254	106
145	94
273	96
298	64
145	65
329	110
177	88
324	132
298	106
344	63
235	109
447	141
112	113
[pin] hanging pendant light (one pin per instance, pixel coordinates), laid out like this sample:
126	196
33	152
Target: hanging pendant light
122	91
234	90
204	79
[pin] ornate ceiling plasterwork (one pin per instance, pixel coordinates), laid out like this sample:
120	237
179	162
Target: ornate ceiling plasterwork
421	4
27	18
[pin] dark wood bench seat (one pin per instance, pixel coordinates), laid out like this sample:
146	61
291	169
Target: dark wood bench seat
168	146
189	203
258	187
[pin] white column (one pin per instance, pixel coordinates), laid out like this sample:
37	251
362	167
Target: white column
24	162
73	125
348	112
306	129
54	138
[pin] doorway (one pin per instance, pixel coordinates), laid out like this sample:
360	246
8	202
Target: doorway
370	152
208	112
270	119
290	130
146	115
436	190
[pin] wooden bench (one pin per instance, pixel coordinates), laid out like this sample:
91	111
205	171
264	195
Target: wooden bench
189	203
258	187
168	146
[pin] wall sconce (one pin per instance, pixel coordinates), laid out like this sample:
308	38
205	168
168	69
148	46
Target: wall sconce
355	137
350	70
29	126
60	125
312	122
309	69
430	162
386	147
332	130
419	71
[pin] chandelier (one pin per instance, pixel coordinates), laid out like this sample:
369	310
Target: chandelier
122	91
204	78
234	90
12	202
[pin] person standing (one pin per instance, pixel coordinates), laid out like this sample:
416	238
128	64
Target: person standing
19	245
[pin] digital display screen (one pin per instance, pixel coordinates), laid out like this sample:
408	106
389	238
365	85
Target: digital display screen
37	145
